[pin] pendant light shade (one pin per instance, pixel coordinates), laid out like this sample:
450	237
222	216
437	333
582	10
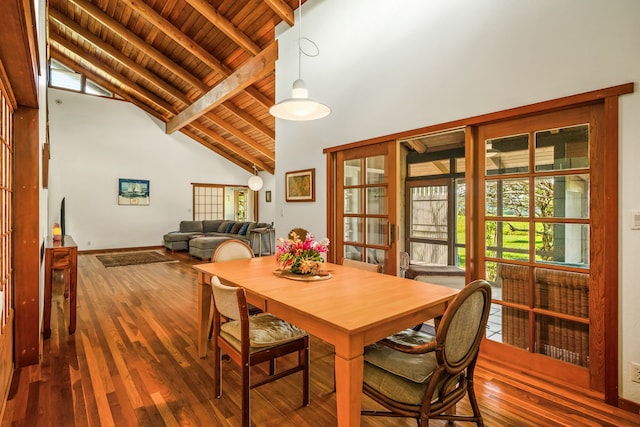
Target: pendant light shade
255	183
300	106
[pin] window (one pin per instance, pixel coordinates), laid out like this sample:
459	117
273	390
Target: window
215	201
6	220
208	202
63	77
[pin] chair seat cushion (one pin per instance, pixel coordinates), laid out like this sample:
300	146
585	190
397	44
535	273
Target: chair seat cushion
394	387
265	330
414	367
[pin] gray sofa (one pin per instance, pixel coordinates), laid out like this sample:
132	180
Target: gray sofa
209	233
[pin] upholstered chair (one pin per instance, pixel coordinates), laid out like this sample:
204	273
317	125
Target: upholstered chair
415	375
230	250
250	340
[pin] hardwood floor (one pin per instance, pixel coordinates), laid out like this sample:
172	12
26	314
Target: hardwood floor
133	361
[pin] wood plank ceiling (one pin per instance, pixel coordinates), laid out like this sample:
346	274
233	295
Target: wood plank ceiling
204	67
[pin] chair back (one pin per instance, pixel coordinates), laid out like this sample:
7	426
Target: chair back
463	326
228	300
230	250
376	268
300	232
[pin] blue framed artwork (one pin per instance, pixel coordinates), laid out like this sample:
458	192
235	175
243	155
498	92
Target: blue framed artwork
133	192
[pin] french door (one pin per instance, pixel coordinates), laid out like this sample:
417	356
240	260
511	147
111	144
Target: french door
365	207
539	203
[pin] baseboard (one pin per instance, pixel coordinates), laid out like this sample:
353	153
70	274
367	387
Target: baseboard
137	248
629	406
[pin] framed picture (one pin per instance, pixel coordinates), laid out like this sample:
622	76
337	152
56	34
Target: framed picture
133	192
267	196
300	186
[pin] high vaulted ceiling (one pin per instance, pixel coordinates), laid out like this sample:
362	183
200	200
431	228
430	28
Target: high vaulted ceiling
204	67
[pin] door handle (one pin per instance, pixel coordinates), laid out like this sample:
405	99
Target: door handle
392	234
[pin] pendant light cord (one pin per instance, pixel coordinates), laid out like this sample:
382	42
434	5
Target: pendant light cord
301	51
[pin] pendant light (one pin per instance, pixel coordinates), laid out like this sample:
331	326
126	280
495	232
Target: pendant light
255	182
300	106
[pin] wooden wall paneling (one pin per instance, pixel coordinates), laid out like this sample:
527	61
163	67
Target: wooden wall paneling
26	248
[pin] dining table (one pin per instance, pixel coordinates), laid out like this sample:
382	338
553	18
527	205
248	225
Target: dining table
347	307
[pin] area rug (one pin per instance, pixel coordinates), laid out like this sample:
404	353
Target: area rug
132	258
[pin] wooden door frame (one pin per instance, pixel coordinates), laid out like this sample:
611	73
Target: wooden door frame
593	376
391	149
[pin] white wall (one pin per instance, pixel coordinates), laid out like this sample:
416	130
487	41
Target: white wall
95	141
386	67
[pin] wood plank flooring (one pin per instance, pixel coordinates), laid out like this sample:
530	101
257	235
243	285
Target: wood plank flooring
133	362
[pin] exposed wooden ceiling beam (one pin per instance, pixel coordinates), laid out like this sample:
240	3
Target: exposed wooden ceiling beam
141	92
251	71
240	38
128	35
241	136
251	159
60	56
417	145
157	20
191	134
282	9
118	56
195	49
266	130
124	33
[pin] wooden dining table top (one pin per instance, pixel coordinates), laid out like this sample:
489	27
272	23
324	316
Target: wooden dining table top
352	300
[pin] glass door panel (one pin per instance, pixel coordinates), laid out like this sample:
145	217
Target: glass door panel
535	236
366	231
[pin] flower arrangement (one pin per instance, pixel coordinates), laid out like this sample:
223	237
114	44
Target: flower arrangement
301	256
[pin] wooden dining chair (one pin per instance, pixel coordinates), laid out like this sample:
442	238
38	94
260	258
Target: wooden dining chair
230	250
250	340
415	375
300	232
376	268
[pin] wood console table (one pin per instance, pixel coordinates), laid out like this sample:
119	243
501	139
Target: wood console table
60	255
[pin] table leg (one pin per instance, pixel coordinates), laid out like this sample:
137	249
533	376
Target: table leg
48	278
348	389
204	312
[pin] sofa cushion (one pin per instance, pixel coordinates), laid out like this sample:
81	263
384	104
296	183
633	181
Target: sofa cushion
191	226
223	226
243	229
236	228
211	225
229	227
253	225
178	237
